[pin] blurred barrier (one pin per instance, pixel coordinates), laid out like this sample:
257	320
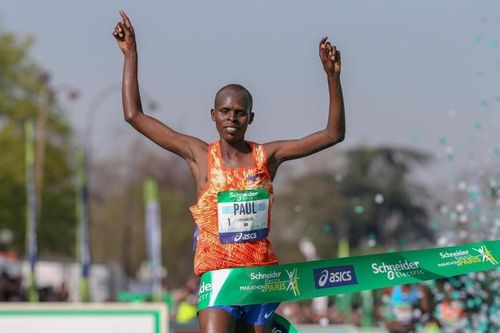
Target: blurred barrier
308	328
337	329
83	318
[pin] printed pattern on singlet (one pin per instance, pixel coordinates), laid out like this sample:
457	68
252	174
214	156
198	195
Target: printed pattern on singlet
210	253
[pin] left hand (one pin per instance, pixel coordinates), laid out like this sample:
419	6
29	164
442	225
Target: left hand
330	57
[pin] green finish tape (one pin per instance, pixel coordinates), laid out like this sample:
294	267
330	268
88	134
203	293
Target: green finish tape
296	281
281	325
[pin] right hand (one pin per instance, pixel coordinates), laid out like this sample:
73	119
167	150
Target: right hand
330	57
124	34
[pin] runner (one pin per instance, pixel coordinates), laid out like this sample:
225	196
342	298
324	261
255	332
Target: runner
233	177
407	302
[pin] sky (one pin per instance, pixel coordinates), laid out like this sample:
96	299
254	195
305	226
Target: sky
421	74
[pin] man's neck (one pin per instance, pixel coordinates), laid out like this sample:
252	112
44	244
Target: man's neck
231	149
236	154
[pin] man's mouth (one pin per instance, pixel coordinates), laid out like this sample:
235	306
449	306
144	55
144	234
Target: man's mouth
231	129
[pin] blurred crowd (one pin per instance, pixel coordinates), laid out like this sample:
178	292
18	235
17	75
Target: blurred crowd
13	290
467	303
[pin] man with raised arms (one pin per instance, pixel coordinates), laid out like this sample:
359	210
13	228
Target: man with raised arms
233	177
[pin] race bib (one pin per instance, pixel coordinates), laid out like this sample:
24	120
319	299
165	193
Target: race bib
242	215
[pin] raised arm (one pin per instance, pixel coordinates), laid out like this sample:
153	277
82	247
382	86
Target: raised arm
183	145
334	132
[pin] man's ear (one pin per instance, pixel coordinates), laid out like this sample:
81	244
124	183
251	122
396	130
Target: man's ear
212	114
251	118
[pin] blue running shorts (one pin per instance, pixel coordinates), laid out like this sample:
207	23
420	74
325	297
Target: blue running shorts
255	314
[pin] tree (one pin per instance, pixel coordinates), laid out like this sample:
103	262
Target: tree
369	197
117	209
20	88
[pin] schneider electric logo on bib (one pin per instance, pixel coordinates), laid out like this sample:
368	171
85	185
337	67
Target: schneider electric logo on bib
337	276
243	195
401	269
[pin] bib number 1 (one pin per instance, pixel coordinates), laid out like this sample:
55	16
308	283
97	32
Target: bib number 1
242	215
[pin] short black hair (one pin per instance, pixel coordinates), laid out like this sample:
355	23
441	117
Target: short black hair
238	88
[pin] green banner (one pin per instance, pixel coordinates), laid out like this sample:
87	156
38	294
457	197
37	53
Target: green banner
82	230
153	235
289	282
31	209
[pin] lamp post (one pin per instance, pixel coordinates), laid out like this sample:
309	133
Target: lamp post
97	102
35	159
46	95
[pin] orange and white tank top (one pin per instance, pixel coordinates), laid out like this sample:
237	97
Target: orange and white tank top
233	214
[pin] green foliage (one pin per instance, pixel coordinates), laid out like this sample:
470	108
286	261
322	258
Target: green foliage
20	87
19	82
327	205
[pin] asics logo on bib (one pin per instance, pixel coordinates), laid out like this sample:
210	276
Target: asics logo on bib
241	236
334	276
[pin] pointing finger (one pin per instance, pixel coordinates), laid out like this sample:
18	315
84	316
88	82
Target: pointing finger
123	15
125	19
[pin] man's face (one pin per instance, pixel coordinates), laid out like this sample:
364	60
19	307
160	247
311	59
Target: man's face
232	115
